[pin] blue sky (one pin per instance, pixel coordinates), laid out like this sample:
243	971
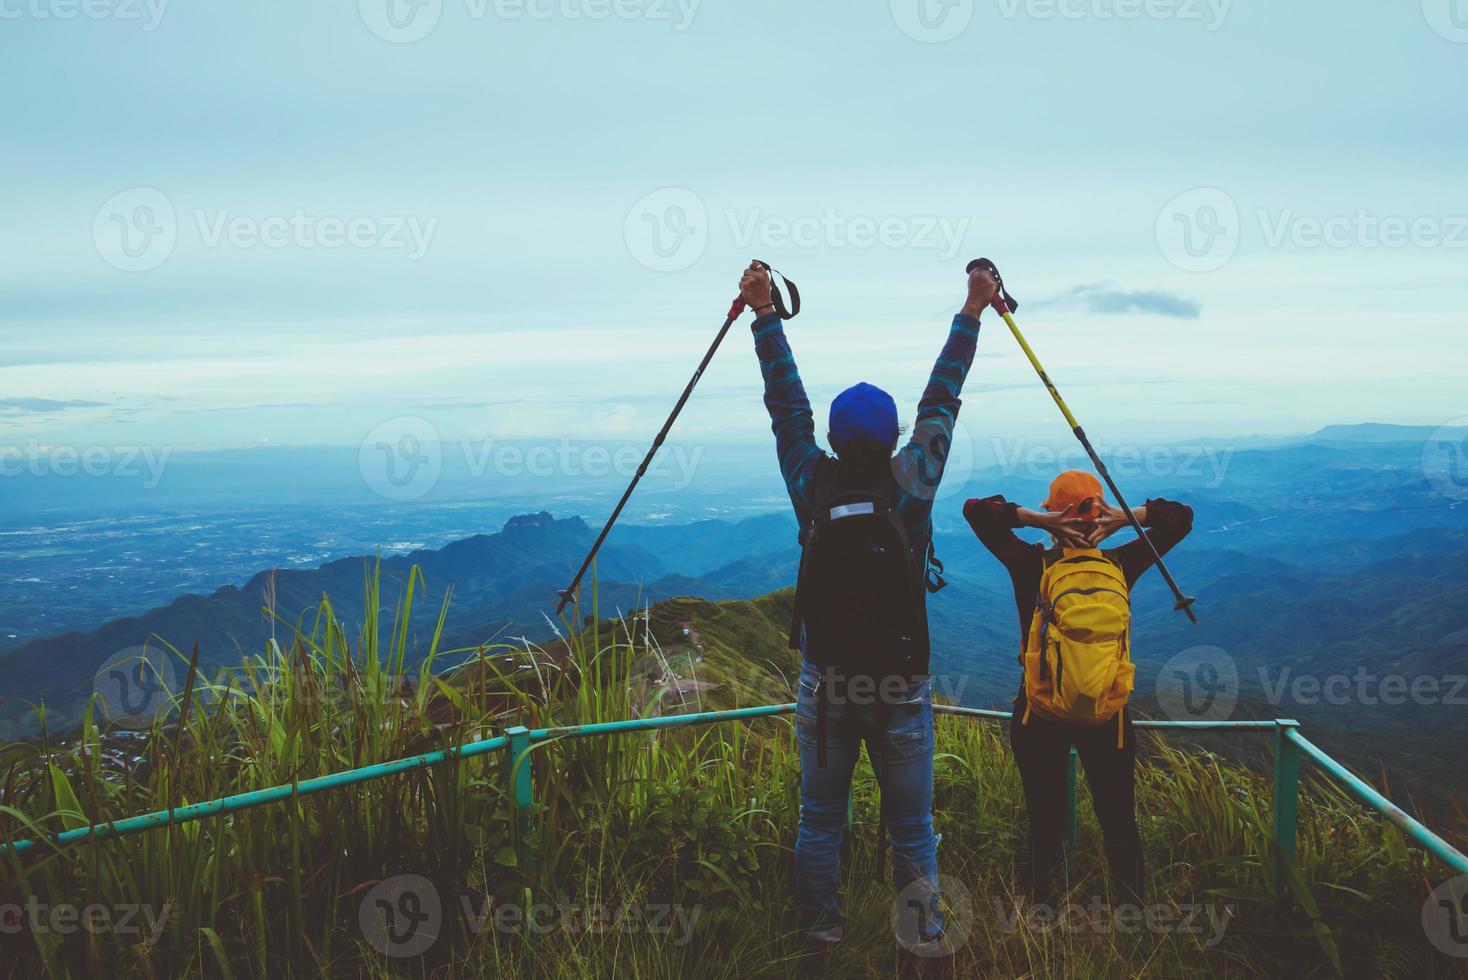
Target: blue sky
290	223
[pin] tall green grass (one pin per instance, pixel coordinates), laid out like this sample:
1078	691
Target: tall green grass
702	819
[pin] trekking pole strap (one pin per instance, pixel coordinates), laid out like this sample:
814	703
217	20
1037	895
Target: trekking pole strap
784	312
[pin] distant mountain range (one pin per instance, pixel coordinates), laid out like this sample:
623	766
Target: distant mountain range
503	587
1330	557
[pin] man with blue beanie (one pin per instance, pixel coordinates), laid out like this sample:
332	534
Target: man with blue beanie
861	614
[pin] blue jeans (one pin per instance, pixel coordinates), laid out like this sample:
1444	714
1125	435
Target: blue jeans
896	722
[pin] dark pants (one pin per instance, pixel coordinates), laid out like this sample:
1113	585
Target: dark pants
1041	750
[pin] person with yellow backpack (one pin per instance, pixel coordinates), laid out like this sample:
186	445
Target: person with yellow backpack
1074	603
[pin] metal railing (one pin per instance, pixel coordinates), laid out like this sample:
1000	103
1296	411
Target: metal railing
516	744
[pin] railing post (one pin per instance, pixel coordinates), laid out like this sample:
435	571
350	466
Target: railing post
1070	802
520	791
1286	802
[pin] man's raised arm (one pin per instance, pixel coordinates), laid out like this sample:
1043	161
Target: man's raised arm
785	398
926	453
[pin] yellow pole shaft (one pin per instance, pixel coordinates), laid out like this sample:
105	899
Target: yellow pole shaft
1040	370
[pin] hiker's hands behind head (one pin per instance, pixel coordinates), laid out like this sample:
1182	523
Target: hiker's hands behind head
754	288
1069	530
981	288
1108	520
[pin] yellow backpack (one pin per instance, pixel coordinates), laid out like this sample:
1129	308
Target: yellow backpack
1076	658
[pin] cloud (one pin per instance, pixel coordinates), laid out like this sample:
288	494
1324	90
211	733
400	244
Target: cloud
43	405
1106	299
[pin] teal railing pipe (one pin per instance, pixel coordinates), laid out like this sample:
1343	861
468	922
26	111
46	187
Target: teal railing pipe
650	724
1434	844
1288	746
259	797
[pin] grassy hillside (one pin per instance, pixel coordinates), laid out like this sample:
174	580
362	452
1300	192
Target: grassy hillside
658	855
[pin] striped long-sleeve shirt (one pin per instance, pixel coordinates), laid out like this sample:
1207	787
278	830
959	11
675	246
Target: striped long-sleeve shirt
918	465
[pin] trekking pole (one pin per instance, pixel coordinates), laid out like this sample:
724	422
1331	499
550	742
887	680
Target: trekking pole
569	592
1005	303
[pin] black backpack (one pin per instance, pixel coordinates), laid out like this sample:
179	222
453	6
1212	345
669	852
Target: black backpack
859	592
